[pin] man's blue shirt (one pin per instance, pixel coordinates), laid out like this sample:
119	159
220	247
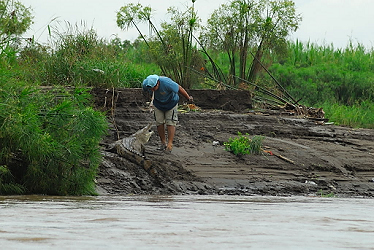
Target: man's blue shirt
166	96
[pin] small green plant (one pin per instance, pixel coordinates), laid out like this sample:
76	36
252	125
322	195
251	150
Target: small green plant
243	145
324	195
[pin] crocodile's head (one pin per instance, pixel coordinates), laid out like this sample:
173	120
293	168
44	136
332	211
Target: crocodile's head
143	135
133	143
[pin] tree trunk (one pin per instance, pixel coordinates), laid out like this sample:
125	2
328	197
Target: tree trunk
256	66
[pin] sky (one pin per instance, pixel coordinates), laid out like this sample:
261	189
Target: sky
325	22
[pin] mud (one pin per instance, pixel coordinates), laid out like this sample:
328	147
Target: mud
304	156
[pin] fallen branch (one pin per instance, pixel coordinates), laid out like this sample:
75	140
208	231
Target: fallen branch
279	156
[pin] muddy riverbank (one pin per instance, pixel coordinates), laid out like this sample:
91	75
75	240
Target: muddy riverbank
305	157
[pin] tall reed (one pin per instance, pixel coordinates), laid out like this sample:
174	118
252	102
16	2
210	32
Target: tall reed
78	57
360	115
340	79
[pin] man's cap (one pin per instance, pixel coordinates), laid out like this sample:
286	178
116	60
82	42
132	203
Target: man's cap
150	81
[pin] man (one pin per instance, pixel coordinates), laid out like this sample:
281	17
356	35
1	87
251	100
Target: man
165	102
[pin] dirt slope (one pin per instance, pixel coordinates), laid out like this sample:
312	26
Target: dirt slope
307	158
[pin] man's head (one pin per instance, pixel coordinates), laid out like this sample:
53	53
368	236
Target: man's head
151	81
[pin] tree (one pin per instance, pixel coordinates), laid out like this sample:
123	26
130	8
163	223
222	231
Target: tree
245	25
277	20
171	48
133	14
15	19
180	56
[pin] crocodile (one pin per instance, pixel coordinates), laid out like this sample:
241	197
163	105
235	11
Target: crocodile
132	148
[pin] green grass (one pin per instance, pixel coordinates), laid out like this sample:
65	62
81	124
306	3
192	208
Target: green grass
325	195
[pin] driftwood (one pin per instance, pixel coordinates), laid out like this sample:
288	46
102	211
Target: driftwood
279	156
284	158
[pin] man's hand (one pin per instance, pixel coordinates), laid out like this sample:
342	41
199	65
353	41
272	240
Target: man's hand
151	107
190	99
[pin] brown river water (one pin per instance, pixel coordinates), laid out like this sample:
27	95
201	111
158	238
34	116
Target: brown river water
185	222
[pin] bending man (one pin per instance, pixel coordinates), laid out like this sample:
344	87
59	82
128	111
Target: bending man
165	102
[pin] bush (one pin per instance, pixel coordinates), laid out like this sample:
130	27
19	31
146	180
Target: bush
49	141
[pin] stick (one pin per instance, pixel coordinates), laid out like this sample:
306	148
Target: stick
279	156
284	158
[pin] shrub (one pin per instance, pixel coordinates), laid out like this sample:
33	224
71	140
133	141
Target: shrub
49	141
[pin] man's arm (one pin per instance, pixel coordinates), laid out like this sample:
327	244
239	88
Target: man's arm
184	93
